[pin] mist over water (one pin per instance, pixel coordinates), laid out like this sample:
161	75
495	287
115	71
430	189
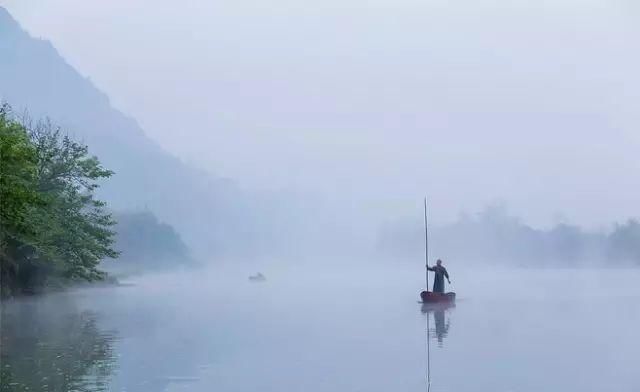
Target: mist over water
328	329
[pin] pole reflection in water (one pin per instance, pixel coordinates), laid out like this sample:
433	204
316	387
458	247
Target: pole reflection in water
439	332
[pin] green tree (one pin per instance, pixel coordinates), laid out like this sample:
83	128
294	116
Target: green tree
18	193
53	228
74	228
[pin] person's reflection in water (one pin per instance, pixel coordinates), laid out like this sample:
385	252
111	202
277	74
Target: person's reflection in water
442	327
441	323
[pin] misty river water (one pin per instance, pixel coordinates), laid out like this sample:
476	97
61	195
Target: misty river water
330	330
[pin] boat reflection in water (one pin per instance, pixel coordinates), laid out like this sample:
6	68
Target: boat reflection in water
441	321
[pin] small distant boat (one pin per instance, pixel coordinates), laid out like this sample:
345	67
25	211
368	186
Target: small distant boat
257	277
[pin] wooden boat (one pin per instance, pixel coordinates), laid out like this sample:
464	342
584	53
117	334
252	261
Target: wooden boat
429	297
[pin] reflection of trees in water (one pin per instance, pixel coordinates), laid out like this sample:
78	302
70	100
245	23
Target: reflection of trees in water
49	347
441	322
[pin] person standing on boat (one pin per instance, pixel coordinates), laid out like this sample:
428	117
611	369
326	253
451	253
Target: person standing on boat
440	273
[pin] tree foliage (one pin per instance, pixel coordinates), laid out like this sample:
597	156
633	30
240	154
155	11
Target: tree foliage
18	195
53	227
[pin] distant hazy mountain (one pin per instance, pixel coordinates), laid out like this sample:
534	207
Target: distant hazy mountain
145	244
209	212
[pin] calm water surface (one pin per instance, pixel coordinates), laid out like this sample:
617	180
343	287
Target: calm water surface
356	330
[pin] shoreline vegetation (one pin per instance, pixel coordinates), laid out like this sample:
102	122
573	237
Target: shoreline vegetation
54	230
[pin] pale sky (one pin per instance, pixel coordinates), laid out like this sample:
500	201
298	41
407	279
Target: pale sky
380	101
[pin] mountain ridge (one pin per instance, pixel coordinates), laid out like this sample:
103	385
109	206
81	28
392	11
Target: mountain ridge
36	78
